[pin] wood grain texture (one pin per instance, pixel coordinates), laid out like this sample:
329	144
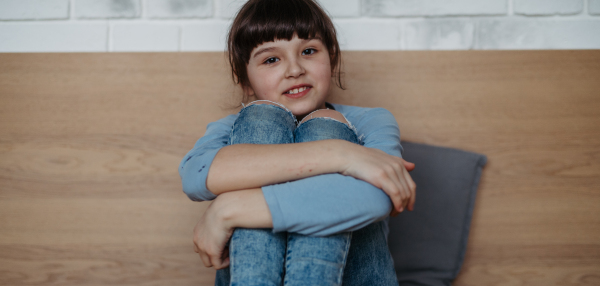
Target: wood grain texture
90	144
119	264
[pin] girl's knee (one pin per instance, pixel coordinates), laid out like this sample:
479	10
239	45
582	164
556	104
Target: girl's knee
263	123
333	125
325	113
268	103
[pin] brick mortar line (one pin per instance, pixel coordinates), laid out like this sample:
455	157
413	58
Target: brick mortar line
358	20
185	21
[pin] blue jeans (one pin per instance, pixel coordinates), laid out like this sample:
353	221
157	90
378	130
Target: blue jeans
261	257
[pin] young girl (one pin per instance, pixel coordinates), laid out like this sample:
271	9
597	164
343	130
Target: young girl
301	187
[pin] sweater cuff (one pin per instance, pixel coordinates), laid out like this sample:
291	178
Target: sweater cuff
274	207
197	170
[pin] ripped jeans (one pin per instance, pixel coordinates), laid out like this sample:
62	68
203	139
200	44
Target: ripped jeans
261	257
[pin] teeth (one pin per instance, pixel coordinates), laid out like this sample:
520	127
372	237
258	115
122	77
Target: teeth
297	90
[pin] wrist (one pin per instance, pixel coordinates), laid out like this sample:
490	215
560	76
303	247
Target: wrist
244	208
342	151
222	213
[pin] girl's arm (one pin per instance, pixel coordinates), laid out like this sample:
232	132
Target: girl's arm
244	166
329	203
211	169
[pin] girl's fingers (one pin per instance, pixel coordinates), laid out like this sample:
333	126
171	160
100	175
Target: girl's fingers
205	259
408	165
225	257
225	252
389	187
412	187
221	261
225	262
216	261
402	185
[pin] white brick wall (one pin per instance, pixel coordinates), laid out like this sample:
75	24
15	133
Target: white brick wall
447	34
179	8
107	9
594	6
34	9
548	7
201	25
538	34
228	8
53	37
145	37
368	34
341	8
205	36
387	8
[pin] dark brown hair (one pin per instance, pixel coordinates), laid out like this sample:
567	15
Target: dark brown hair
260	21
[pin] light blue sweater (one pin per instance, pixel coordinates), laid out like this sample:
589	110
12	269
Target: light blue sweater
320	205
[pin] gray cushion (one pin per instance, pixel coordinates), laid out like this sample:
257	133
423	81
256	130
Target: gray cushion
428	244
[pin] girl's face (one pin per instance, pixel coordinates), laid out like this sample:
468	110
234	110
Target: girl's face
295	73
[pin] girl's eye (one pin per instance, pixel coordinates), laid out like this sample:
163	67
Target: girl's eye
309	51
271	60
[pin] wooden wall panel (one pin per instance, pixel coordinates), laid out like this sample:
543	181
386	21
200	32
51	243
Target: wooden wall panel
90	144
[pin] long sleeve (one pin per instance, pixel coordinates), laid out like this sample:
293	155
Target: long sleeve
319	205
333	203
194	167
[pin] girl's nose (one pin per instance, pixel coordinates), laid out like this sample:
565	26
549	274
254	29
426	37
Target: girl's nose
294	69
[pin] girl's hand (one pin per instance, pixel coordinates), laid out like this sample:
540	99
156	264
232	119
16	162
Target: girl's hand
243	208
211	236
384	171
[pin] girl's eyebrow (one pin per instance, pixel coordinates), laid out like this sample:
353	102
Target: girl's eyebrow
264	50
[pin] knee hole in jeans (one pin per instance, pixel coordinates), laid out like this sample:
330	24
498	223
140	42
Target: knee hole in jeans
325	113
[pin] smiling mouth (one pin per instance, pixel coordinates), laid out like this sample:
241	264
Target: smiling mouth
296	90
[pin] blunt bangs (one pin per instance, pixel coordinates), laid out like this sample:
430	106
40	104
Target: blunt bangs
260	21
